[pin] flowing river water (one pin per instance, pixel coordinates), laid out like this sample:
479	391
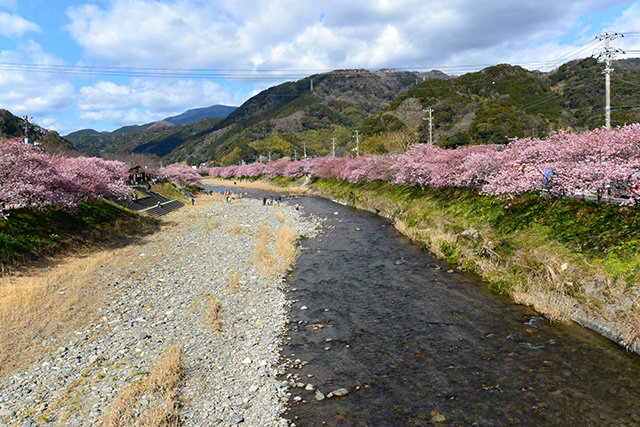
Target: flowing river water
417	342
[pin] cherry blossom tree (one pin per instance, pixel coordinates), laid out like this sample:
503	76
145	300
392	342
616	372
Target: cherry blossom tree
599	162
181	174
32	179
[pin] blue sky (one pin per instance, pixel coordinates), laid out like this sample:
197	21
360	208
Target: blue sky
103	64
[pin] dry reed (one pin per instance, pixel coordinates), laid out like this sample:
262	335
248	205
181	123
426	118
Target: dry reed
286	247
234	283
162	386
263	255
213	314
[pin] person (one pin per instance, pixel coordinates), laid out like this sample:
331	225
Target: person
193	201
264	201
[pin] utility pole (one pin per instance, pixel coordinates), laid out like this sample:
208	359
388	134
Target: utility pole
269	156
357	144
429	110
304	147
333	145
606	55
295	155
26	129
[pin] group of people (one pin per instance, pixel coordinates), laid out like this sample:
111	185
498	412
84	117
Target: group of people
271	200
228	196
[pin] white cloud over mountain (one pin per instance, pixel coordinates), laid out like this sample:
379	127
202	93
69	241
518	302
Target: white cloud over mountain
250	39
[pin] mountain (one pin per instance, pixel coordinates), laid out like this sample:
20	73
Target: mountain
12	126
501	102
197	114
289	118
162	135
313	110
490	106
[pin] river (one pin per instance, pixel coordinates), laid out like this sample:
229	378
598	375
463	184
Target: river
419	342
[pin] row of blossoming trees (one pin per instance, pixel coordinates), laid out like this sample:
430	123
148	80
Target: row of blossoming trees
30	178
596	162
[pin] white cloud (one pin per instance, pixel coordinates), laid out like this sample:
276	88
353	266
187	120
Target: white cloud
13	25
33	93
144	101
296	35
628	23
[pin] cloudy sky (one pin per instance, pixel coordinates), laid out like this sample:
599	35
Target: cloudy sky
103	64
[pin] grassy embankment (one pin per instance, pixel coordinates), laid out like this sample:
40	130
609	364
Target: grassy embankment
568	259
30	232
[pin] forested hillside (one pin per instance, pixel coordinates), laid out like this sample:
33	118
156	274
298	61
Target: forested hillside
501	102
14	127
388	108
158	138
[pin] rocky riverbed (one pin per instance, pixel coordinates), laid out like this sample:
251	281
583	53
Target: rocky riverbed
159	295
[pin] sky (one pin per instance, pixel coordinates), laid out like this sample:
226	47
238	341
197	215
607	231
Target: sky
104	64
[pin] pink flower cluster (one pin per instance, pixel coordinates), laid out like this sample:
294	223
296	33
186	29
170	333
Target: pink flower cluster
596	162
31	178
181	174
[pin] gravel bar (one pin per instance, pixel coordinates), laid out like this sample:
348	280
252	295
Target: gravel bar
158	298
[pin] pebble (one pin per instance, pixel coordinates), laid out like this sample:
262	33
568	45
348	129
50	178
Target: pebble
338	393
159	300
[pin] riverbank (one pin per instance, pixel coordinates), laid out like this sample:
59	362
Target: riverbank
182	326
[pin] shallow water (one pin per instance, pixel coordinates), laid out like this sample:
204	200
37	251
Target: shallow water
416	344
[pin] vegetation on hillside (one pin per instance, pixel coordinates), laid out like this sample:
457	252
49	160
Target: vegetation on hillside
502	102
32	232
14	127
491	106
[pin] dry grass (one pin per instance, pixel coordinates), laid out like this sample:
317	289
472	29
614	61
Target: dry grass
280	216
212	225
286	247
269	263
260	185
213	313
263	255
556	307
236	230
48	301
162	388
234	282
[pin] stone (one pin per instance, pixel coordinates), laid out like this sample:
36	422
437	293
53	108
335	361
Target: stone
319	396
7	412
338	393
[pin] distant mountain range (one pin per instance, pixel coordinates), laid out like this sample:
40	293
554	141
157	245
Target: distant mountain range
288	120
197	114
165	134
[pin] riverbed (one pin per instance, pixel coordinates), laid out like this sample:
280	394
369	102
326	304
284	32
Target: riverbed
415	341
